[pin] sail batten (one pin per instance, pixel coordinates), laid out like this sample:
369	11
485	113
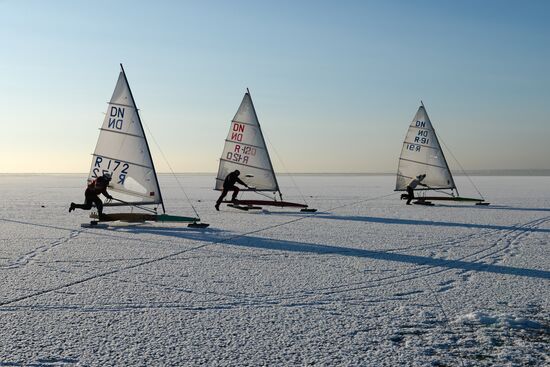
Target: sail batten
122	150
421	128
244	123
250	145
422	145
125	161
245	165
119	132
421	153
423	163
123	105
245	150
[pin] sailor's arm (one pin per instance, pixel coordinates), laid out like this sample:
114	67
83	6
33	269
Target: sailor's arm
241	182
106	194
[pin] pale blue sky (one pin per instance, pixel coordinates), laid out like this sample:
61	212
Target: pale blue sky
335	84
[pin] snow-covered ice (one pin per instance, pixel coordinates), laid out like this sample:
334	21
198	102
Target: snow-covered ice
366	281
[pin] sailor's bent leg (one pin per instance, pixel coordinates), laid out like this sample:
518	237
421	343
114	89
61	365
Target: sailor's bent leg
235	192
410	192
98	204
87	203
222	196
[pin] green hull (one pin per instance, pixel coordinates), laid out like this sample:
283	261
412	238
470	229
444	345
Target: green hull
175	218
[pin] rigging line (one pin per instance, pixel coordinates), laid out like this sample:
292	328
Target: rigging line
262	194
443	192
357	202
136	205
243	192
171	170
462	168
429	188
440	191
287	172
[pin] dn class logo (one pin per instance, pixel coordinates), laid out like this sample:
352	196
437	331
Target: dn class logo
116	118
237	133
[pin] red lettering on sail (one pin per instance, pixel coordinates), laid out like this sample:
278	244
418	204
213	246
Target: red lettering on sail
238	127
236	136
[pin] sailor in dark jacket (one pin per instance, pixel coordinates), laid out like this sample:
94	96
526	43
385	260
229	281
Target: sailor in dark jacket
412	185
229	184
91	195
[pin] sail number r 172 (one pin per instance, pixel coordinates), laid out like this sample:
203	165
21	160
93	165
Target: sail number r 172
112	167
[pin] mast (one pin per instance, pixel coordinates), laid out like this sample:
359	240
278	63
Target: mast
144	137
444	158
263	140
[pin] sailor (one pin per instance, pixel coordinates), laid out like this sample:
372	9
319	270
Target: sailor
412	185
229	184
91	195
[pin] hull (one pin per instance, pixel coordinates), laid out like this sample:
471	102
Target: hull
280	204
444	198
477	201
142	217
450	198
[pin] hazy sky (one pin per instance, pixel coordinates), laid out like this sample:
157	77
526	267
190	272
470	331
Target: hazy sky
335	83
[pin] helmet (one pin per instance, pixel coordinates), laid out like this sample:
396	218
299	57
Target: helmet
237	172
107	176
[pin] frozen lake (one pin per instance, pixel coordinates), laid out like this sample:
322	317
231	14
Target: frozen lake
365	281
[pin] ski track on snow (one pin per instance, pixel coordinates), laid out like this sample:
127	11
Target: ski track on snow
502	242
29	257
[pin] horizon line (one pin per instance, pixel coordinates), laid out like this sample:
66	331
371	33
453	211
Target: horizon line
480	172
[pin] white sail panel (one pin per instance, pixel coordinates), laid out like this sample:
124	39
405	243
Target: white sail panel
123	152
422	154
245	150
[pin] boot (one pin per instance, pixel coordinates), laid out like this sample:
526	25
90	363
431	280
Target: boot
72	207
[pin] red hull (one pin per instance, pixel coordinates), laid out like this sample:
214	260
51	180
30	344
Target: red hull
281	204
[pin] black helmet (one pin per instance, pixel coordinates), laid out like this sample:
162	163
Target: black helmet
237	172
107	176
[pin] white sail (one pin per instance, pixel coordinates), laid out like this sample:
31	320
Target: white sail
422	154
122	150
245	150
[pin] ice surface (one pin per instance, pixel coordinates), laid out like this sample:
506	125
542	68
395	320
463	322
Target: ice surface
366	281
